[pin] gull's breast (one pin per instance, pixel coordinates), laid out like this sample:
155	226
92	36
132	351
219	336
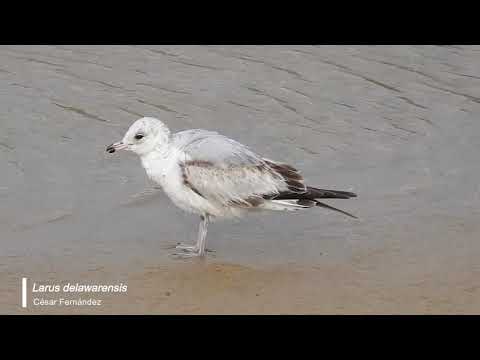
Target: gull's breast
167	173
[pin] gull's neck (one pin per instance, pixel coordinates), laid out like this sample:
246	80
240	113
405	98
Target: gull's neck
161	160
162	151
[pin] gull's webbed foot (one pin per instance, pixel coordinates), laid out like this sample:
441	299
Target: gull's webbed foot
188	251
187	248
186	255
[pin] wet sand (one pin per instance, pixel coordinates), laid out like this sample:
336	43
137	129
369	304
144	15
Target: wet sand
211	287
397	125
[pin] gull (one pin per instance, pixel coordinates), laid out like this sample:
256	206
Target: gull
211	175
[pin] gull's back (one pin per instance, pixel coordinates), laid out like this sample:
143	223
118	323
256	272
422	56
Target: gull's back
212	147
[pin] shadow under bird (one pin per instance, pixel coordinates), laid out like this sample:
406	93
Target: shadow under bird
206	173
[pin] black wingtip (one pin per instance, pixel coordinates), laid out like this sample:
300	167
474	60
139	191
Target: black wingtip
329	194
318	203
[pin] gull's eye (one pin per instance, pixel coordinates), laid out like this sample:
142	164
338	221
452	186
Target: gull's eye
139	136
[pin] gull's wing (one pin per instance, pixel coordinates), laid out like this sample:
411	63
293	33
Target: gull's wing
223	170
213	147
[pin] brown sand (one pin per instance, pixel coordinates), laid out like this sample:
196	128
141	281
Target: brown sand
365	286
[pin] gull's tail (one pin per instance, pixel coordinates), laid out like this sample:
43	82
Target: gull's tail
308	199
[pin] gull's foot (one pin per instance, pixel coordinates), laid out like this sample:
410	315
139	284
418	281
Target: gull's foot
186	255
187	248
189	255
189	251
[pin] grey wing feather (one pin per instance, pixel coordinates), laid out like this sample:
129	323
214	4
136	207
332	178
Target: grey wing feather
211	146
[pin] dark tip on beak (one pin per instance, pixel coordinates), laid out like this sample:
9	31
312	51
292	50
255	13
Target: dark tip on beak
110	149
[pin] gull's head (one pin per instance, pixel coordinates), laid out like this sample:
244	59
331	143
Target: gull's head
143	136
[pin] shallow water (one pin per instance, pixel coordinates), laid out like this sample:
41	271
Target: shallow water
396	124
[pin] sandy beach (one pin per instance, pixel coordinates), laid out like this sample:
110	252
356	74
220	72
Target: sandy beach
398	125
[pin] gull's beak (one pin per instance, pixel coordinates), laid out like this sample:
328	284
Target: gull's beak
116	146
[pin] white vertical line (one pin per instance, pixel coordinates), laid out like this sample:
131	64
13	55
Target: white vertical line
24	292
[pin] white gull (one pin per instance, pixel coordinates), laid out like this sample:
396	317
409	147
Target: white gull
208	174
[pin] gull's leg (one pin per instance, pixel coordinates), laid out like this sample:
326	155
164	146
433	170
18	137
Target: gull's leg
199	248
193	248
202	235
